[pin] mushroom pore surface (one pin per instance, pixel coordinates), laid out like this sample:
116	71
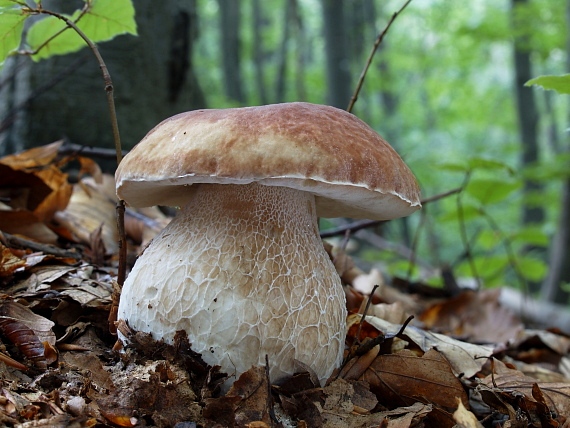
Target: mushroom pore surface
243	271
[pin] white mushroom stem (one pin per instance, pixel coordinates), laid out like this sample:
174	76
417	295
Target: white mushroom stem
243	271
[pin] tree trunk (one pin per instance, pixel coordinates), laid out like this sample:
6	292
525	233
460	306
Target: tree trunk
301	46
337	58
528	120
559	259
259	23
230	21
282	55
64	96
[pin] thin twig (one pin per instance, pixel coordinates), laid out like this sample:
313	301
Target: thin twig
18	241
371	56
121	274
69	148
40	10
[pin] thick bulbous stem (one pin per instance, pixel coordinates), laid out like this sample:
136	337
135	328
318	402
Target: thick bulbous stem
243	271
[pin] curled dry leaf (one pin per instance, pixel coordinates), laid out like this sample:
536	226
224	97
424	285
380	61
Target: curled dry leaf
510	383
403	378
464	358
464	418
89	209
246	403
46	185
9	263
23	222
27	331
475	315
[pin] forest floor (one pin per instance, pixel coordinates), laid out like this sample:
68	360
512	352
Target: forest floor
464	360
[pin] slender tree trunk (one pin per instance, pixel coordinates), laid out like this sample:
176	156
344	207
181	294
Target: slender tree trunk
282	56
259	23
528	119
337	59
559	262
301	52
230	22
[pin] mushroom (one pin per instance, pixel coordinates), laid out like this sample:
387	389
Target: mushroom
241	268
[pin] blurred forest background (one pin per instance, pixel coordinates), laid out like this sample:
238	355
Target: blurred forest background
445	88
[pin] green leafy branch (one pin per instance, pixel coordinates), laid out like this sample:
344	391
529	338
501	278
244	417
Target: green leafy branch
97	20
477	194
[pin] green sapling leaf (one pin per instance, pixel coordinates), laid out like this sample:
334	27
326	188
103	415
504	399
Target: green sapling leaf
105	20
560	84
11	26
491	190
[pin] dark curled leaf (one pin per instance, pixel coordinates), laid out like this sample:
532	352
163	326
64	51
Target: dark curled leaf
25	340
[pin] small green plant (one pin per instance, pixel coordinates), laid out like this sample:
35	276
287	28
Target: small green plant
490	252
97	20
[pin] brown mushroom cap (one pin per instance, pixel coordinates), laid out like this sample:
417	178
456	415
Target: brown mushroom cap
323	150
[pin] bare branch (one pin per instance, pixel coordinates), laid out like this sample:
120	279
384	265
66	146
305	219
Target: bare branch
372	52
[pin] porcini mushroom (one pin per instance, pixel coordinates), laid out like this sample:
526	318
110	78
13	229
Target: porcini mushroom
242	268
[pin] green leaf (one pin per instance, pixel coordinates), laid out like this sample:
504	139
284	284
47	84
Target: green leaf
11	26
489	165
105	20
490	190
454	166
471	210
560	84
488	267
532	268
531	235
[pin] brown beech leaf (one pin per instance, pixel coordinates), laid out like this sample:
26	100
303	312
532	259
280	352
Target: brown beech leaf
511	383
89	209
465	358
54	191
23	222
475	315
27	331
22	190
34	158
9	263
246	402
403	378
59	197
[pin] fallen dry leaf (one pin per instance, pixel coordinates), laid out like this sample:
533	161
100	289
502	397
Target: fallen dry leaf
403	378
476	316
27	331
89	209
9	263
465	358
247	402
509	382
23	222
464	418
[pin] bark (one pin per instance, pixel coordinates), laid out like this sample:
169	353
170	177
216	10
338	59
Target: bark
282	56
230	22
301	49
559	257
337	59
259	22
64	95
528	120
